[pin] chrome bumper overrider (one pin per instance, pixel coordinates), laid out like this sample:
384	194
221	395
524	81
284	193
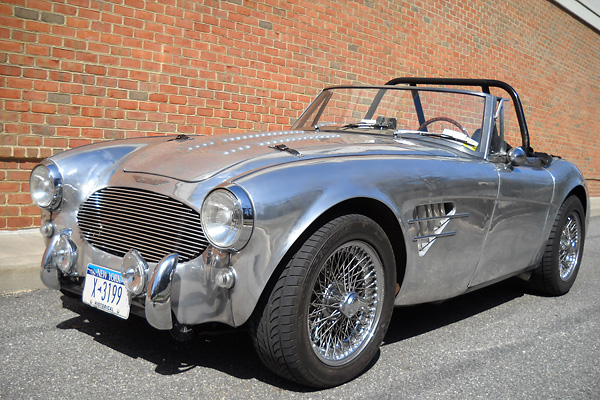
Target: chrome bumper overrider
49	273
158	296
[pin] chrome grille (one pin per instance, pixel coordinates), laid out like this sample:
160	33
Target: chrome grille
117	219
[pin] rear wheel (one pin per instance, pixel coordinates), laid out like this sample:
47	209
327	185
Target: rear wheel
326	316
560	264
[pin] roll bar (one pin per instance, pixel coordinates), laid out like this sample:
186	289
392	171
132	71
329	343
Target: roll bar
485	85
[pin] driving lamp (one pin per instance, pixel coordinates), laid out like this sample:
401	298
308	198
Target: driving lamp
64	256
134	272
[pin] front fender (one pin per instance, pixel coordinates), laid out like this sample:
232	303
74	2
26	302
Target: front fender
287	200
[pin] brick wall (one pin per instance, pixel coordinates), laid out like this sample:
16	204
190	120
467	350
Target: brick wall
79	71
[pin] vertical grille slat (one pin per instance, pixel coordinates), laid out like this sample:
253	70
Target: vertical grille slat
117	219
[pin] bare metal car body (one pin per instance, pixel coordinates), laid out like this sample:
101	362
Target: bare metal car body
458	216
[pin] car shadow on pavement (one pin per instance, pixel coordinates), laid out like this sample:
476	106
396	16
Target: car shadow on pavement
416	320
233	353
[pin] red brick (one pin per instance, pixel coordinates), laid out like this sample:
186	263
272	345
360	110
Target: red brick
55	142
68	132
68	110
39	5
31	118
91	112
18	198
44	108
10	70
128	104
35	96
30	141
18	222
95	69
46	86
82	121
35	73
83	100
177	100
18	59
11	46
57	120
30	210
17	106
17	128
63	53
159	97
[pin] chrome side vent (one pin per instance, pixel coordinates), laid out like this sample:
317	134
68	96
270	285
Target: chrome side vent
117	219
430	221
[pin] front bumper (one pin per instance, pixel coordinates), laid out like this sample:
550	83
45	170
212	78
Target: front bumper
193	292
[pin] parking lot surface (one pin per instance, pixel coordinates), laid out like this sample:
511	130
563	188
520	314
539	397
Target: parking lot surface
498	342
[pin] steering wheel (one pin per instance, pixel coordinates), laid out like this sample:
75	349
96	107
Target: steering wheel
446	119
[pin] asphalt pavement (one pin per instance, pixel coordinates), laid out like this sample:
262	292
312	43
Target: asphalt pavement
500	342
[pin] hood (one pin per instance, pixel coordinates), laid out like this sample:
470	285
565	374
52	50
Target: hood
196	158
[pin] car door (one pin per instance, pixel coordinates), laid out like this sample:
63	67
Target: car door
447	208
515	239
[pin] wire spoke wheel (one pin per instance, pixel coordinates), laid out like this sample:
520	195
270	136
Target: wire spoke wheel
570	244
344	304
562	257
324	318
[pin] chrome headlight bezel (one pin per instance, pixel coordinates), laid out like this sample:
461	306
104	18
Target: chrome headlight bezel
45	185
227	217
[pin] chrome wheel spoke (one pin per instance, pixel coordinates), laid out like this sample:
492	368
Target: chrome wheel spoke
344	311
569	246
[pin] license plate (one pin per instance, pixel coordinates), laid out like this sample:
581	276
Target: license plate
104	290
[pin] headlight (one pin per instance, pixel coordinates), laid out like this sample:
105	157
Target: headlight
45	185
228	218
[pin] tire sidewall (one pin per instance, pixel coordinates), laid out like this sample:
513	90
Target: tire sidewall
355	228
561	286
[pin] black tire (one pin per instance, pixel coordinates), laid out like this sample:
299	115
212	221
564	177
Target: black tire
561	260
310	304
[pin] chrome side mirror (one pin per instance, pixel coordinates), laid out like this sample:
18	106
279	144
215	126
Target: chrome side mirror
517	156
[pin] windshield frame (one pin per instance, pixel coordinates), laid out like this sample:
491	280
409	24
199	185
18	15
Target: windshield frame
315	110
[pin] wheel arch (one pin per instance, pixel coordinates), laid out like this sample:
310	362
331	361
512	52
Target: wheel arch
374	209
580	193
382	215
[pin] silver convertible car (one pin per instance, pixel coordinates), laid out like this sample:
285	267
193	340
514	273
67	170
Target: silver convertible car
378	196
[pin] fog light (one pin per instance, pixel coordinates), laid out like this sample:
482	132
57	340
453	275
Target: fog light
47	229
134	272
225	278
65	252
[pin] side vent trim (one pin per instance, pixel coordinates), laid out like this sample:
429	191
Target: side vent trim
430	221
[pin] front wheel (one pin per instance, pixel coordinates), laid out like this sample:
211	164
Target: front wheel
328	312
560	264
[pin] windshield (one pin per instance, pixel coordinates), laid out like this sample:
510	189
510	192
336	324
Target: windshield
443	114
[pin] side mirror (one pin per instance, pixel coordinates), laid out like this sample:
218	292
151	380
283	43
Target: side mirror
517	156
